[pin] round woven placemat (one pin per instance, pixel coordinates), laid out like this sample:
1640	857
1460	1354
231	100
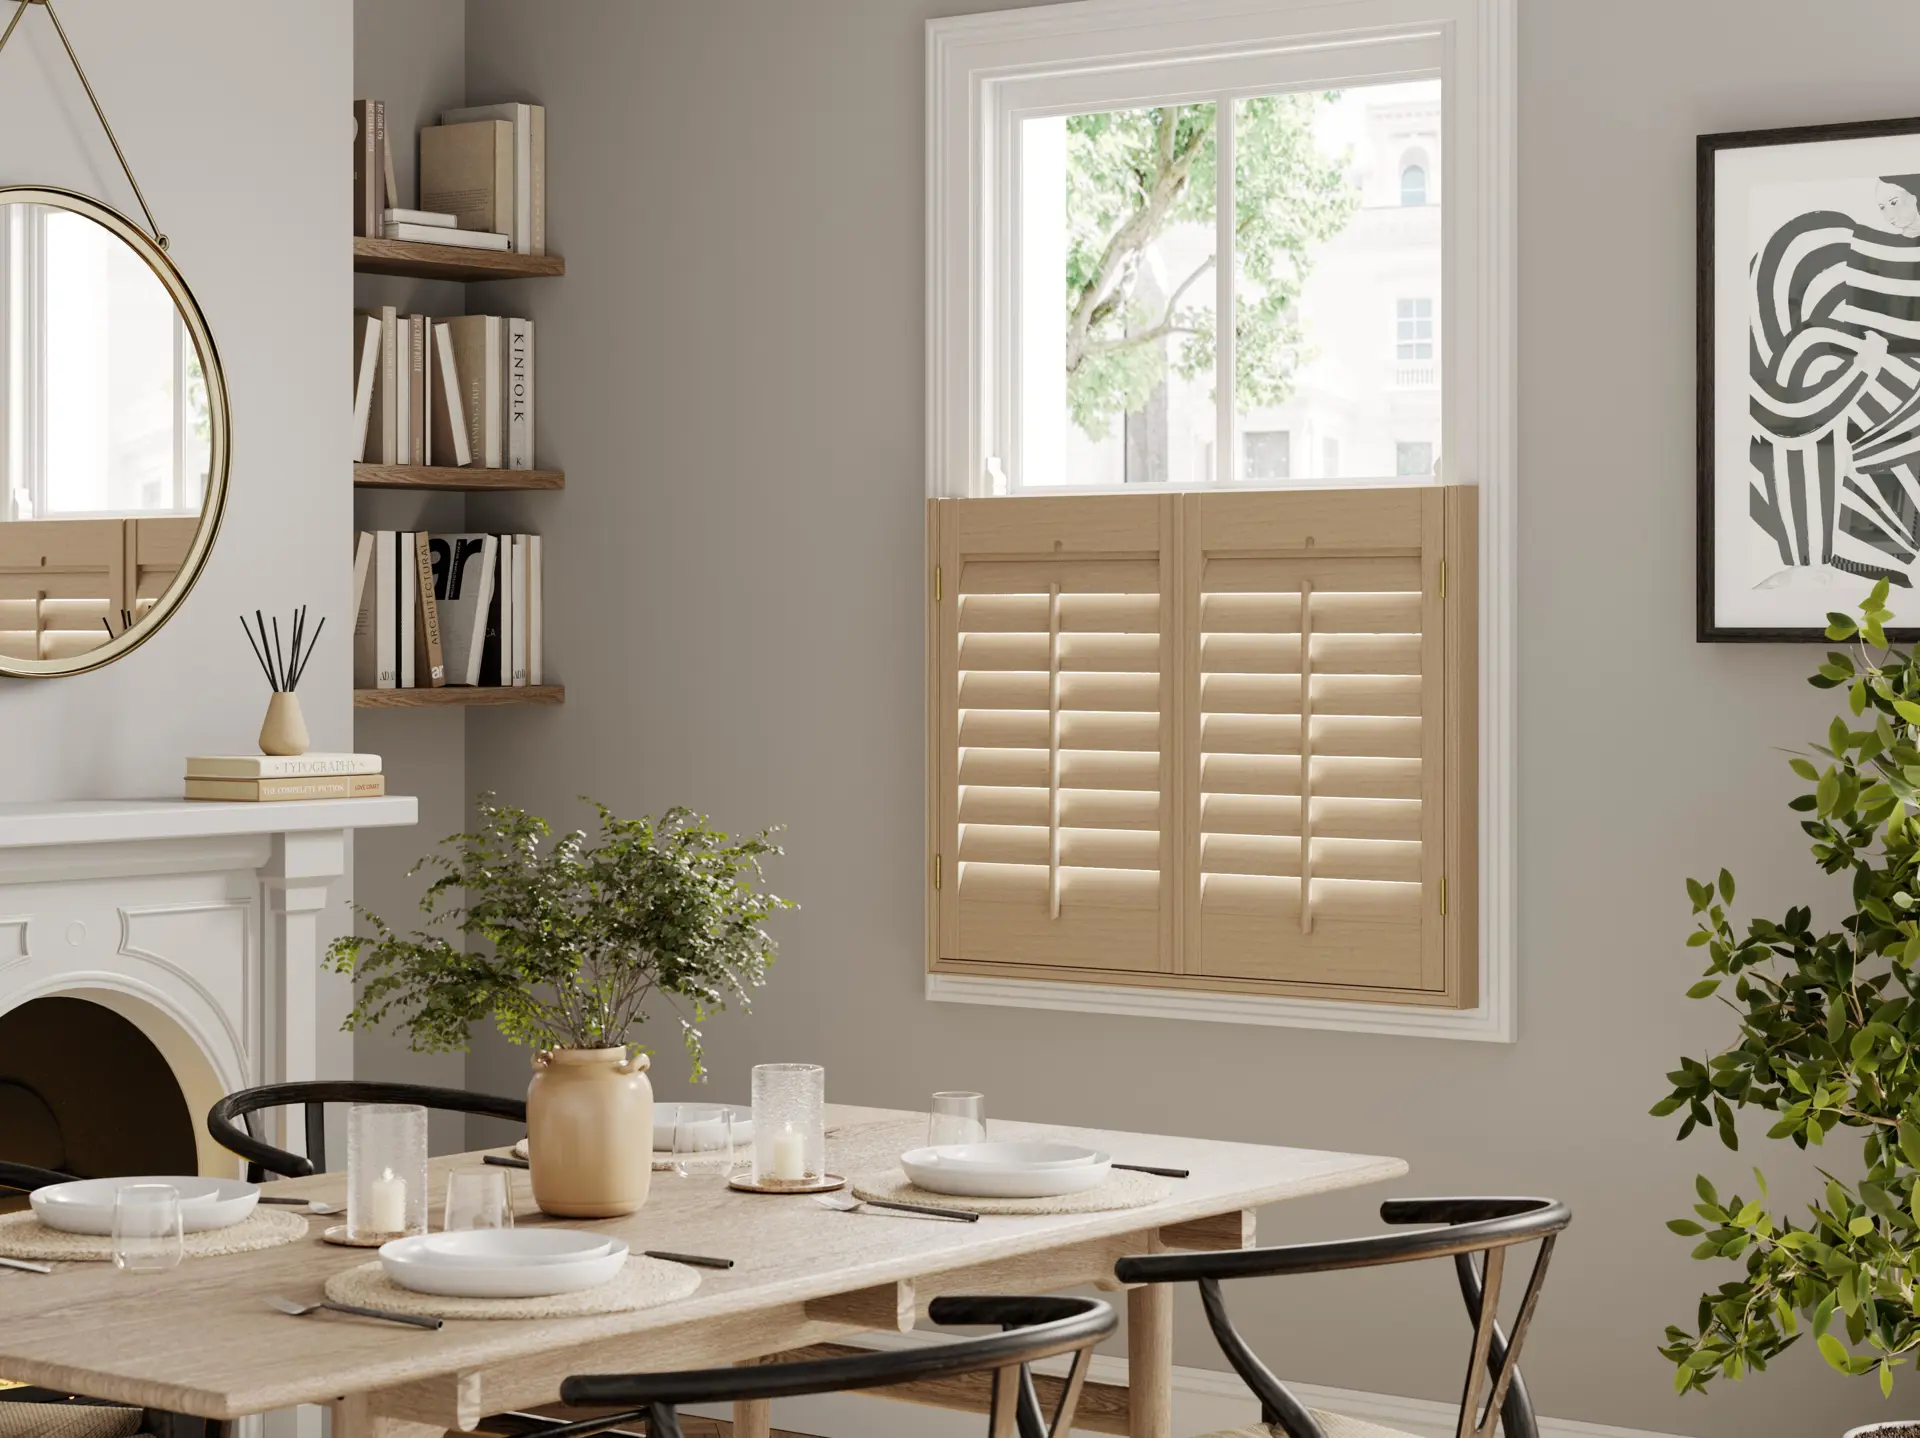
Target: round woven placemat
24	1236
1121	1190
643	1283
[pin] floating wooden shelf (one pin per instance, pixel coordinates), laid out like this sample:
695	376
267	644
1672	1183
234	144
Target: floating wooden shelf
448	262
459	695
421	476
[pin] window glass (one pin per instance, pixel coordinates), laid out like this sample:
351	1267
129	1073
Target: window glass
1413	459
1413	184
1269	454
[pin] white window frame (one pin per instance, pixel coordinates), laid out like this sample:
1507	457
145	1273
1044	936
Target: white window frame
982	69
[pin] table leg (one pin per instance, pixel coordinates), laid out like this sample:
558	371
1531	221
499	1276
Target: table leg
753	1418
1149	1360
354	1418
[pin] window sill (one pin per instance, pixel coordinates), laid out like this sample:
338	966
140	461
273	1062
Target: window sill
1488	1023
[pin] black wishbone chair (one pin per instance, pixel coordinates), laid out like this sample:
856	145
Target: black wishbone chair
1484	1226
1031	1329
263	1158
25	1178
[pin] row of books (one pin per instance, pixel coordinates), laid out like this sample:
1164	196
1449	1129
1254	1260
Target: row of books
483	165
265	778
456	391
438	609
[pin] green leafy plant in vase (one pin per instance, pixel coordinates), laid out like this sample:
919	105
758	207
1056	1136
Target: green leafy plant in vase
567	945
1829	1034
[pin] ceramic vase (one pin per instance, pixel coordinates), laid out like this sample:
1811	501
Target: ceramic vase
285	729
590	1132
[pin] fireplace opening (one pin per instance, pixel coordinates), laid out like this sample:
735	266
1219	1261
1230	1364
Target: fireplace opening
84	1091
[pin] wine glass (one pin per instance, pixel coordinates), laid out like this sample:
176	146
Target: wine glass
703	1139
957	1117
478	1198
147	1232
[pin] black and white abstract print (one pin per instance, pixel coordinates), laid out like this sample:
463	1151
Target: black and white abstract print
1815	460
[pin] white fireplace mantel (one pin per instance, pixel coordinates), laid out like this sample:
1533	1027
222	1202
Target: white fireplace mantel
199	921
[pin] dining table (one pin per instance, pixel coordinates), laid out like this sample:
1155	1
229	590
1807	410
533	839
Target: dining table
199	1339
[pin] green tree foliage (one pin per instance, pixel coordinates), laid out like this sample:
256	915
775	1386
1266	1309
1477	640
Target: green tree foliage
1133	174
576	939
1829	1033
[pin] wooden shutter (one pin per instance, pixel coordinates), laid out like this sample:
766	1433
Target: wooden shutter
1052	808
1214	741
1328	751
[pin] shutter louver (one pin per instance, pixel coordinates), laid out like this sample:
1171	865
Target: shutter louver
1057	736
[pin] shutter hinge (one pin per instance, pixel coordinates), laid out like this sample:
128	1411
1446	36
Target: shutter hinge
1443	896
936	873
936	583
1443	579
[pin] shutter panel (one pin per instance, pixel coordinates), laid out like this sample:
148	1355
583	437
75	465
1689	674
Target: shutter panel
1054	751
1318	741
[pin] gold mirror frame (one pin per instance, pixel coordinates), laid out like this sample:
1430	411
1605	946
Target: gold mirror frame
215	505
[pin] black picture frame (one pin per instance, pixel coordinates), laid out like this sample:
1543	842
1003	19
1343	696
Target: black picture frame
1708	626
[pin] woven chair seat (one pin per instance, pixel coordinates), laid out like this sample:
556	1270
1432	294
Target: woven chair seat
68	1420
1335	1425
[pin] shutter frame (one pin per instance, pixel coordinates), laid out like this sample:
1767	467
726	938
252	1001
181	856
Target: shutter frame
1430	531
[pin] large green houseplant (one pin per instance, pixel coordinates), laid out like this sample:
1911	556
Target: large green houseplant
566	945
1828	1041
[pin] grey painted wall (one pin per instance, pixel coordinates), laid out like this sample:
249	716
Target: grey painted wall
253	212
732	375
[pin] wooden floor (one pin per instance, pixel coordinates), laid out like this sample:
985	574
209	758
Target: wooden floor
714	1428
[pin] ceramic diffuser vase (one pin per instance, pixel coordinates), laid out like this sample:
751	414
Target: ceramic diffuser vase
284	731
590	1132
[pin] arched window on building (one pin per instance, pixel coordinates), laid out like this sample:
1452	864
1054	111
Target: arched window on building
1413	180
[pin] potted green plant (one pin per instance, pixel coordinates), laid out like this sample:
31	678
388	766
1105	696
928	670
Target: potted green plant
1829	1040
576	941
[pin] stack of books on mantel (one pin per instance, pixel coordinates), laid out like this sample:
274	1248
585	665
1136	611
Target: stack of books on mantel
483	179
267	778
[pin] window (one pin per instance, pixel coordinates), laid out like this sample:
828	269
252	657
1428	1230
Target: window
1207	741
1125	306
1413	459
105	405
1413	331
1269	454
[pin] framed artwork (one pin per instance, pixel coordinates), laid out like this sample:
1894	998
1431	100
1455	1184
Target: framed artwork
1809	378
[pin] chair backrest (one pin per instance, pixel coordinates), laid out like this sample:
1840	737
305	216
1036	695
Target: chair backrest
1031	1329
264	1158
1469	1227
25	1178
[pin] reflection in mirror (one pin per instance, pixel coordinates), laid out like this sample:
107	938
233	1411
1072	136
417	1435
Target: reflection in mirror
108	431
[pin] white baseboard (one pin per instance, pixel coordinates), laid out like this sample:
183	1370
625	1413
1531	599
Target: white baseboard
1205	1400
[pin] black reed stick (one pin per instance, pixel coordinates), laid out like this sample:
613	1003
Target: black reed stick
280	660
107	625
256	649
266	651
300	669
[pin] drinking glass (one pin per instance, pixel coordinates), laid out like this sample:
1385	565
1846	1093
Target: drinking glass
703	1139
478	1198
957	1118
147	1234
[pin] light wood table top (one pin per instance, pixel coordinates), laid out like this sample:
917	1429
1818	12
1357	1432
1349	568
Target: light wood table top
200	1339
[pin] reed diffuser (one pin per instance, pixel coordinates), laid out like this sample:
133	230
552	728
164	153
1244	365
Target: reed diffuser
285	728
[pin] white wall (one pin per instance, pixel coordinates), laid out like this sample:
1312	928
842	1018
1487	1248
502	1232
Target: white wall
234	117
731	372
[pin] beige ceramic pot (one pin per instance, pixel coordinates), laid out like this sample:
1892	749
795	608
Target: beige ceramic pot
285	729
590	1132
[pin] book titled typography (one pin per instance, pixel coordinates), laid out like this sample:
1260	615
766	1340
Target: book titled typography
267	791
280	766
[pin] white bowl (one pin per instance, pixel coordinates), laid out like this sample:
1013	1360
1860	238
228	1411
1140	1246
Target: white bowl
499	1280
980	1180
999	1157
86	1205
492	1247
667	1115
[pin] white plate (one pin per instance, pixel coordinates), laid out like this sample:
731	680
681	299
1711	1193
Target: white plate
493	1247
923	1166
86	1205
666	1115
501	1280
1002	1156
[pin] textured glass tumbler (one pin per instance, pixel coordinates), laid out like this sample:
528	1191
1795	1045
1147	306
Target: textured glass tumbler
957	1117
386	1171
147	1234
789	1124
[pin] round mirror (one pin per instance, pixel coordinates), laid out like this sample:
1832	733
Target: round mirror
113	434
